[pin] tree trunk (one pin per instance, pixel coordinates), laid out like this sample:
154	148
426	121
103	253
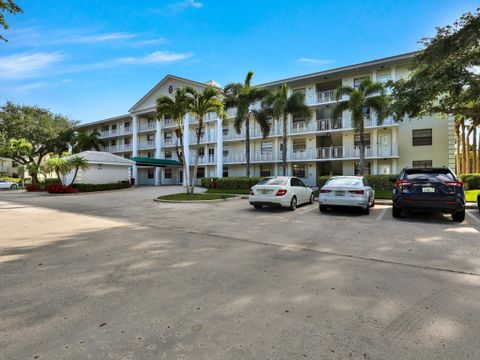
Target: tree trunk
457	152
74	176
474	150
184	163
284	146
362	150
247	143
193	176
464	148
467	153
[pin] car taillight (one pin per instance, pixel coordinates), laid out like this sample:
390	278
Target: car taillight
281	192
454	183
251	192
323	191
402	184
359	192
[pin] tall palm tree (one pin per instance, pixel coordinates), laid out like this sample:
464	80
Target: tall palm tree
60	166
83	141
369	95
77	163
203	102
177	108
279	106
243	96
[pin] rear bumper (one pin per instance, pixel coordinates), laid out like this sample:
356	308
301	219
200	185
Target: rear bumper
343	201
442	204
269	200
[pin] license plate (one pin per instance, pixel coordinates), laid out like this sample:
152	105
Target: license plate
339	193
428	189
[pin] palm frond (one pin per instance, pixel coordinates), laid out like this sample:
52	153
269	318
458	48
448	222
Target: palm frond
375	88
339	109
343	90
365	84
380	105
262	117
248	79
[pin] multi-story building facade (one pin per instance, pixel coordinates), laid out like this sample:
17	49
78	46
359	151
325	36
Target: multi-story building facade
8	167
316	146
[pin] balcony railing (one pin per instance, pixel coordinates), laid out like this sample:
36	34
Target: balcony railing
168	123
326	96
203	159
147	126
146	144
231	112
329	124
204	138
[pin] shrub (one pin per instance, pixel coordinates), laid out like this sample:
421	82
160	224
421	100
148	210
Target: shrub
101	187
472	181
376	181
61	189
50	181
10	179
209	182
237	183
33	187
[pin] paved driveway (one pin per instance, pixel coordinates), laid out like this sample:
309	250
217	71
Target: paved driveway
118	276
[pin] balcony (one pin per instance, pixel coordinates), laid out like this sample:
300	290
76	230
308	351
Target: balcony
203	159
168	123
147	127
204	138
231	112
329	124
146	145
353	152
234	158
169	141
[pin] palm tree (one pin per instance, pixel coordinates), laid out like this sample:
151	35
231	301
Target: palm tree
243	96
77	163
458	161
83	141
203	102
59	166
177	108
279	106
369	95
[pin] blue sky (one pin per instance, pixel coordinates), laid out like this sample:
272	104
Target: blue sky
94	59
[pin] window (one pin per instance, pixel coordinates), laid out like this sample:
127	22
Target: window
422	163
422	137
302	90
150	154
201	151
126	141
225	131
347	181
384	78
273	181
366	112
368	168
14	164
299	144
225	151
225	171
299	170
168	155
211	152
200	172
358	81
266	147
356	140
265	170
113	142
297	182
167	136
127	125
168	173
150	137
150	121
151	173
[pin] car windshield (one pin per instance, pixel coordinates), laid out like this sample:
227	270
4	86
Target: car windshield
345	181
429	175
273	181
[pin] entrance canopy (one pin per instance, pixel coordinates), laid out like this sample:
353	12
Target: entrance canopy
144	161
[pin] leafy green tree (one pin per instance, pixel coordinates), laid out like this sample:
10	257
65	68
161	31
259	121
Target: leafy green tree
279	106
77	163
176	107
369	95
243	96
203	102
83	141
12	8
31	133
59	165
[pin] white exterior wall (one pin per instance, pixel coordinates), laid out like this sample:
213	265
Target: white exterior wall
103	174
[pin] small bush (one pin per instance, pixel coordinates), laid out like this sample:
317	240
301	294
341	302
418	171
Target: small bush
34	187
472	181
101	187
209	182
10	179
50	181
61	189
237	183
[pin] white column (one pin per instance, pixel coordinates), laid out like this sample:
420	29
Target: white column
394	73
374	142
374	75
219	147
158	151
135	145
186	145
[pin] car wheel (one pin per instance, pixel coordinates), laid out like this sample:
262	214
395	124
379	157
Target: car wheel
458	216
373	203
311	199
323	208
293	204
366	211
13	186
257	206
396	212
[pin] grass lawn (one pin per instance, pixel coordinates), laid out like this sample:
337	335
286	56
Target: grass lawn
471	195
383	194
187	197
228	191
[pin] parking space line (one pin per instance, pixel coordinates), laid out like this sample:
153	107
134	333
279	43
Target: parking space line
381	215
306	209
473	217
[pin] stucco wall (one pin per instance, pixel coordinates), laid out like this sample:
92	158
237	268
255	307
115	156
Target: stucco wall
104	174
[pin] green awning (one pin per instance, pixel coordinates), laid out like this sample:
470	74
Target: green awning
144	161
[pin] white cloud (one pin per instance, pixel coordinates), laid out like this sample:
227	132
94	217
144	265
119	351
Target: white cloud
96	38
27	65
156	57
178	7
147	42
31	87
311	61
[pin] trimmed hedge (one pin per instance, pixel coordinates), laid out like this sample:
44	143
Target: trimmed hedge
10	179
230	183
101	187
376	181
61	189
472	181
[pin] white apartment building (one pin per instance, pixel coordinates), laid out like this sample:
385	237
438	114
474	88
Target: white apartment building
316	146
8	167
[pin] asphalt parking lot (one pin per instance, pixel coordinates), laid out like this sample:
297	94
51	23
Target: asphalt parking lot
118	276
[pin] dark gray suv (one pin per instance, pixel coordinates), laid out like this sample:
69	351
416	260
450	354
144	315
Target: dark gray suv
429	190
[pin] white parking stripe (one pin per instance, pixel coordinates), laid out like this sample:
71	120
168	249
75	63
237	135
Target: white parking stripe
473	217
381	215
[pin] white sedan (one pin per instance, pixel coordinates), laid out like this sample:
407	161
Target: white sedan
4	184
351	191
285	191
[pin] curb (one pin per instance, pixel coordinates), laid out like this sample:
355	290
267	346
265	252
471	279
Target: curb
195	201
87	192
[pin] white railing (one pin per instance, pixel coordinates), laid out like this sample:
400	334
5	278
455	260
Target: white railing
302	126
146	127
234	158
262	156
105	133
328	124
326	96
147	144
168	123
231	112
124	147
211	116
204	138
169	141
203	159
353	152
232	135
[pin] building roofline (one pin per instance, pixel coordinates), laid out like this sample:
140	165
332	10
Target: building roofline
105	120
404	56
